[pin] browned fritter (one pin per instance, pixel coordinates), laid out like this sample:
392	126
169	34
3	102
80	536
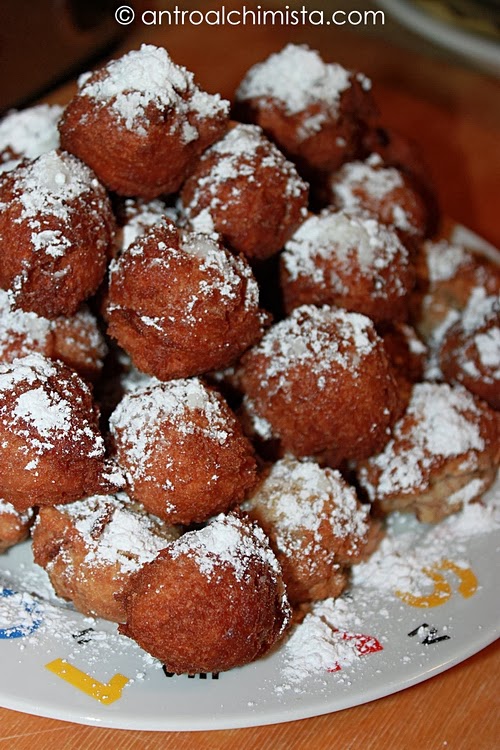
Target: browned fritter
316	525
181	304
211	601
56	229
141	123
244	189
51	450
443	454
183	450
91	548
74	339
470	351
349	260
316	112
320	381
386	192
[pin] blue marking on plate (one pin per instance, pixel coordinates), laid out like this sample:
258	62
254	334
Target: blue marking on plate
21	630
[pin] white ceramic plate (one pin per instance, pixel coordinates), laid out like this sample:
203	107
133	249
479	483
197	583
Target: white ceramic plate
60	664
485	52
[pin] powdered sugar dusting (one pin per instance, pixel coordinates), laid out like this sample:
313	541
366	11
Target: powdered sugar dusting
117	532
297	78
244	155
228	542
441	422
42	414
28	134
335	243
187	406
303	497
306	338
148	78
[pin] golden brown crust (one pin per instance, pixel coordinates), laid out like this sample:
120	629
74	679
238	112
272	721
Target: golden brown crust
83	548
202	611
183	449
51	449
347	260
322	382
443	453
316	526
180	304
244	189
141	141
56	228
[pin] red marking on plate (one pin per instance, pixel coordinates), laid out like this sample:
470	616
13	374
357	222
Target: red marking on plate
364	644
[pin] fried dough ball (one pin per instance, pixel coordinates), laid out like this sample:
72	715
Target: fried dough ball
397	150
183	450
320	381
443	454
314	111
180	304
347	260
14	526
74	339
28	133
447	275
91	548
316	525
244	189
470	352
211	601
56	229
141	123
51	450
383	191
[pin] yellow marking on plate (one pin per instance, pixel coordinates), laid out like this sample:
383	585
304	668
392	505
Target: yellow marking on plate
442	589
440	595
468	581
104	692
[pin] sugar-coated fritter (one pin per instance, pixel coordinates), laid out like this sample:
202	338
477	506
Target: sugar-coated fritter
316	112
74	339
383	191
180	304
51	450
350	261
91	548
141	123
244	189
211	601
443	454
182	449
56	230
316	525
320	380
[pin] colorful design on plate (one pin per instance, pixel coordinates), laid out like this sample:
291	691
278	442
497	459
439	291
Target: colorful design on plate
104	692
442	591
364	644
25	613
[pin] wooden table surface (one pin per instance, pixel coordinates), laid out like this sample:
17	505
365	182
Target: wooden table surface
454	112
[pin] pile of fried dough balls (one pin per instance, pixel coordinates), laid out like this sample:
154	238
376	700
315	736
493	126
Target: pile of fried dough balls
229	348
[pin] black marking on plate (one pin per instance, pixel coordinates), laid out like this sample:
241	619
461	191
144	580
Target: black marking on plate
430	634
83	636
200	675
